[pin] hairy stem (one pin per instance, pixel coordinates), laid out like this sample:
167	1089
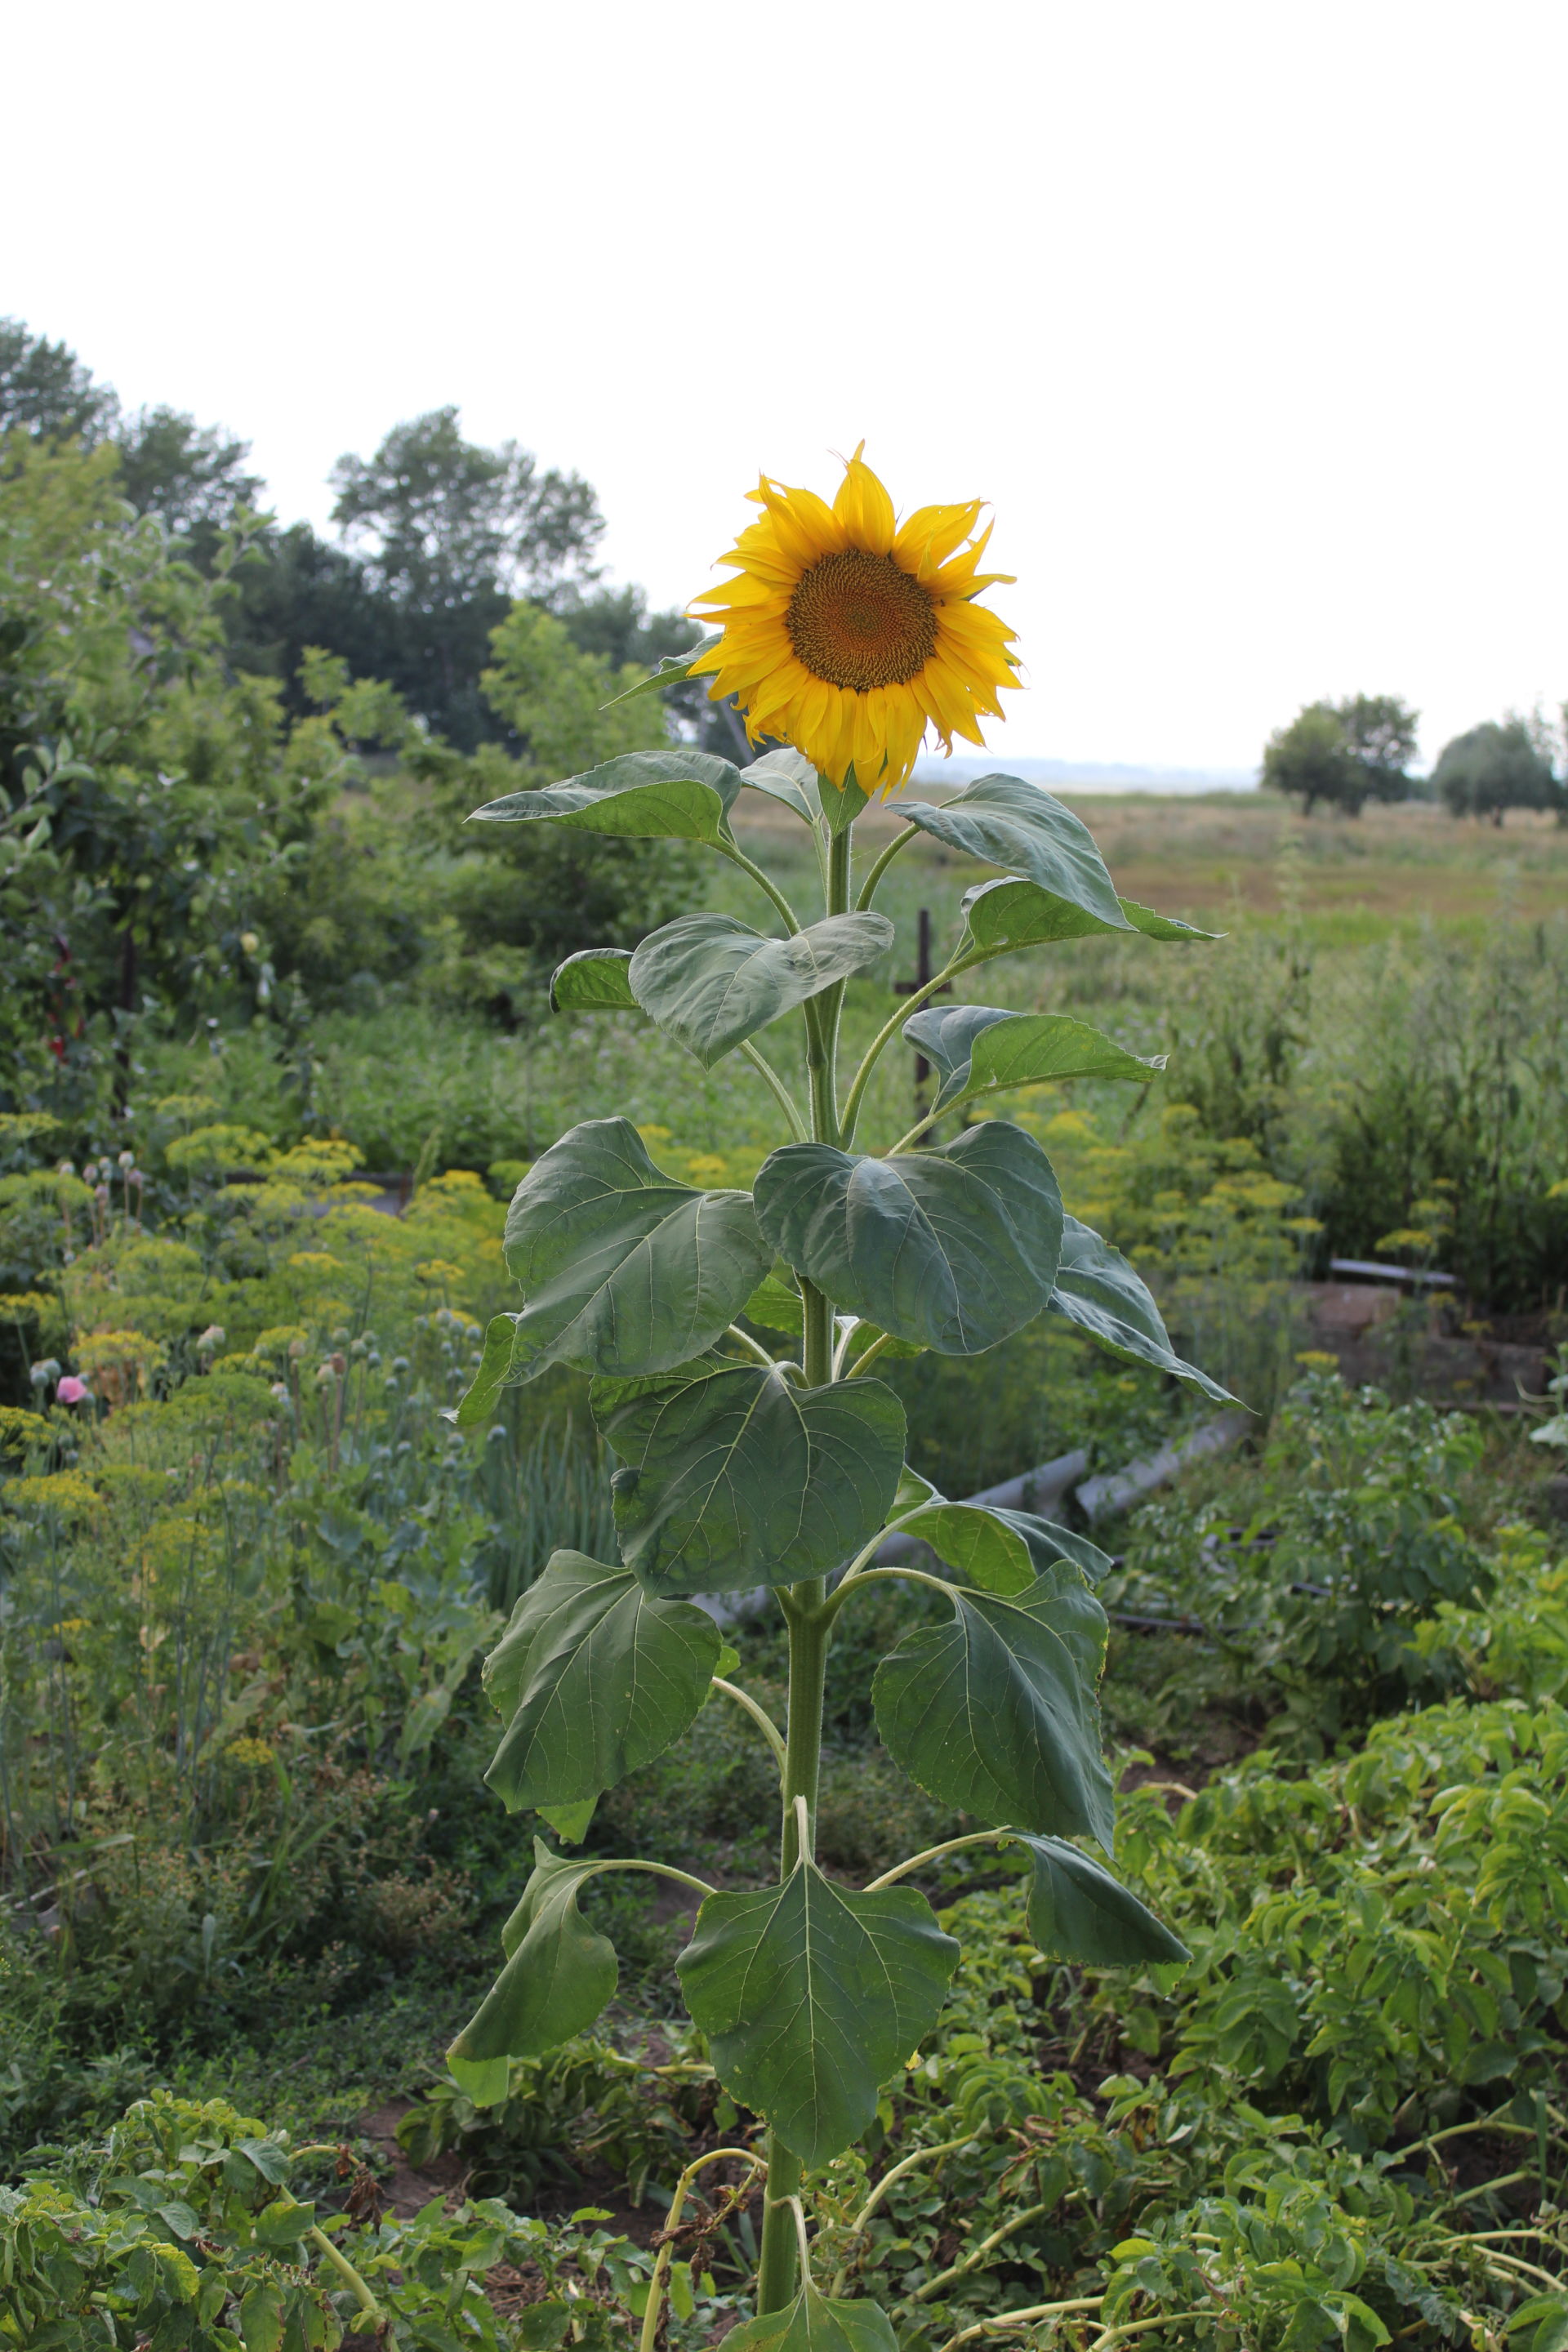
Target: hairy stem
753	1348
759	1716
782	1094
884	1037
934	1854
346	2271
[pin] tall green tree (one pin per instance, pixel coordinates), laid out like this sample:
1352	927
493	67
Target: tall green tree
1495	767
1344	754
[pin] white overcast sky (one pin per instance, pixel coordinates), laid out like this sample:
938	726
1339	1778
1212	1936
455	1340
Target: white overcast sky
1248	318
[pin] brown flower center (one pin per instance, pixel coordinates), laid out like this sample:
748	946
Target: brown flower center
856	621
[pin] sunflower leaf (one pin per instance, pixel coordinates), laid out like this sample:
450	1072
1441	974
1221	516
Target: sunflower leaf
1098	1290
711	981
592	980
787	777
1028	832
818	2323
950	1249
640	796
1078	1912
672	670
559	1975
980	1050
1008	913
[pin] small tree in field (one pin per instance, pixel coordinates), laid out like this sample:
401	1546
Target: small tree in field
1494	768
1344	754
779	1460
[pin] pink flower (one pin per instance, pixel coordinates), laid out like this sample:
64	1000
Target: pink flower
71	1391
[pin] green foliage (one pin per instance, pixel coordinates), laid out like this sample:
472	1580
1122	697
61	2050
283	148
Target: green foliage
1344	753
1494	768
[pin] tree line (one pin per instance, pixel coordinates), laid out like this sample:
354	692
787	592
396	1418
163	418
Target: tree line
1339	755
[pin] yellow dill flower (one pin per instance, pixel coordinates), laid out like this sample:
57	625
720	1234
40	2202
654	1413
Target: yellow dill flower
849	634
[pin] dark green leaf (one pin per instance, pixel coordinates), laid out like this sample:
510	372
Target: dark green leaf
787	777
1047	1543
571	1823
558	1976
623	1269
818	2323
592	980
811	1996
1015	825
1078	1912
710	981
950	1249
595	1678
643	795
1098	1290
980	1050
1009	913
735	1476
996	1712
672	670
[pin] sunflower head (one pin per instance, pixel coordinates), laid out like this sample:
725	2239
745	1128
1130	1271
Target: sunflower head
849	634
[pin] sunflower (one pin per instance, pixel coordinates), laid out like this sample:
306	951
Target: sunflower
847	633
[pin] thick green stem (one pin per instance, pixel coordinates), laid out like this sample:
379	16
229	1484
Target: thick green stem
869	888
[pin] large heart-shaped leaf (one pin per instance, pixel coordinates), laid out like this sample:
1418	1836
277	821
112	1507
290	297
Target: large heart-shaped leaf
818	2323
1098	1290
950	1249
1008	913
733	1477
642	795
1010	823
980	1050
787	777
1078	1912
592	980
559	1974
811	1995
596	1679
710	981
996	1712
623	1269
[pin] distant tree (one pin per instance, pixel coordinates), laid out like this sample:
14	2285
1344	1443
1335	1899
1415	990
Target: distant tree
191	475
1344	753
616	624
46	390
1496	767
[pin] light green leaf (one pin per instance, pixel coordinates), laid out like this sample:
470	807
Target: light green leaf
811	1996
978	1543
1047	1543
841	804
775	1304
261	2316
672	670
1078	1912
595	1680
980	1050
864	1338
996	1712
1015	825
592	980
733	1477
623	1268
571	1823
709	981
559	1974
950	1249
787	777
1098	1290
641	796
1162	926
1009	913
818	2323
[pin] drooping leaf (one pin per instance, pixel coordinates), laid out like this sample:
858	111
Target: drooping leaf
978	1543
1098	1290
1078	1912
623	1269
811	1995
592	980
733	1477
559	1974
672	795
818	2323
1008	913
950	1249
787	777
1050	1542
980	1050
1162	926
996	1712
1027	831
596	1679
710	981
672	670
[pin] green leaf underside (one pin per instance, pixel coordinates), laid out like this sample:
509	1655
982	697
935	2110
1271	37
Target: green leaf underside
559	1975
777	1305
1011	913
996	1713
711	981
950	1249
1078	1912
642	795
672	670
811	1996
1015	825
787	777
596	1679
592	980
979	1049
1098	1290
734	1476
818	2323
623	1269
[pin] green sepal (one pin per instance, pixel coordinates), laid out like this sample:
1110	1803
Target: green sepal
1078	1912
996	1712
980	1050
559	1974
841	804
595	1678
671	671
818	2323
811	1995
1028	832
733	1477
711	981
592	980
1096	1290
672	795
951	1250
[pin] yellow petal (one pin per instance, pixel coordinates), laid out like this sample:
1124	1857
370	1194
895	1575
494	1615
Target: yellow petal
865	510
